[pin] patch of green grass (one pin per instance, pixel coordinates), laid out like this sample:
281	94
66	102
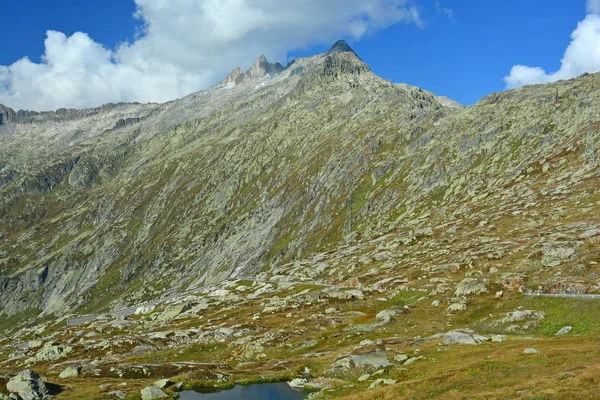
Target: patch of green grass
582	314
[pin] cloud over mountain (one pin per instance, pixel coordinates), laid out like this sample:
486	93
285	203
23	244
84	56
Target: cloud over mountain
186	45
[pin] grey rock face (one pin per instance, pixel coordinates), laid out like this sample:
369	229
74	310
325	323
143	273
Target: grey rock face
28	385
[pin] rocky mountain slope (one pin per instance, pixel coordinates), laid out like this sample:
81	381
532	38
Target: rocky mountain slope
301	178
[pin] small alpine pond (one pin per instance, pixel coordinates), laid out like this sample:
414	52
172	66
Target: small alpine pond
261	391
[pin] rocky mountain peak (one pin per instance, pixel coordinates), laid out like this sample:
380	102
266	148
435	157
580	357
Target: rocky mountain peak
262	67
233	76
341	46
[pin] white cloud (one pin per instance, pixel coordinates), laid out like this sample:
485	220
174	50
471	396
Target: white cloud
582	55
186	45
593	6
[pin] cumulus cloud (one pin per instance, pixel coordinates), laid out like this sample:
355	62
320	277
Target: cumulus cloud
582	54
184	46
593	6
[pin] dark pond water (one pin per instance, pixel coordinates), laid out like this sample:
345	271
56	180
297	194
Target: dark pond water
263	391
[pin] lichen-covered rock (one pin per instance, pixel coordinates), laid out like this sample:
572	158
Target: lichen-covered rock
463	337
364	362
174	311
51	351
152	392
457	307
28	385
471	286
298	383
344	294
379	382
70	372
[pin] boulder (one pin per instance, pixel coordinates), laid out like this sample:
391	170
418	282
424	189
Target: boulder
298	383
161	335
564	331
387	316
344	294
70	372
531	350
471	286
174	311
523	315
118	394
162	383
462	337
152	392
28	385
364	362
457	307
413	360
51	351
380	382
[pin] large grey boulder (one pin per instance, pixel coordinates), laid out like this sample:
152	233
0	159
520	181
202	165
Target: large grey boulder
28	385
152	392
463	337
363	362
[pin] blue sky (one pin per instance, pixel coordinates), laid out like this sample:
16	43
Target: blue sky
464	53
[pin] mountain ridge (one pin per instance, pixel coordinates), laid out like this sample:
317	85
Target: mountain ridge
318	219
81	171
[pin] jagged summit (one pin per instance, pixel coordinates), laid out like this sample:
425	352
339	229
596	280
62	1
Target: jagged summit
233	76
341	46
261	68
